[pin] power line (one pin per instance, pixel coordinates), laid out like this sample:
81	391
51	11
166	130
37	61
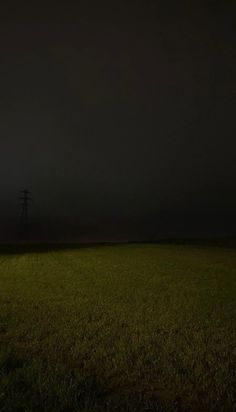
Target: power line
25	198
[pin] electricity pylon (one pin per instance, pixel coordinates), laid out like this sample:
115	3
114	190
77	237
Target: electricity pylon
25	198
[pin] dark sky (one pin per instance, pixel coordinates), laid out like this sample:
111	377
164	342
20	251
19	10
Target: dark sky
119	117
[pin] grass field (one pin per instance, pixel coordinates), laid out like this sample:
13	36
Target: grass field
142	327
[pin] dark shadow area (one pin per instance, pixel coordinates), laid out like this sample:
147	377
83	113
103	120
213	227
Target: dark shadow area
16	249
225	242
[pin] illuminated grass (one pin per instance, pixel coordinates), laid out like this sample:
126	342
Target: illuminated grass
118	328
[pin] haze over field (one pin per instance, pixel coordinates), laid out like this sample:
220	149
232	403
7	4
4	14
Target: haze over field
119	117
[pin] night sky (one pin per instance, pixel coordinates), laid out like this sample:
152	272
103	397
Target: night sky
120	118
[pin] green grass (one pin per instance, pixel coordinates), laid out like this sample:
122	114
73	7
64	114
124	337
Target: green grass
142	327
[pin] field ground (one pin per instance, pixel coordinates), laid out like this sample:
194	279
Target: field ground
138	327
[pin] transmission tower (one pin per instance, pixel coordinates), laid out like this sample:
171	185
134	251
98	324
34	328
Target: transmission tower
25	198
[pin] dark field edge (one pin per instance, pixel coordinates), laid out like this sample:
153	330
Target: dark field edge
18	248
